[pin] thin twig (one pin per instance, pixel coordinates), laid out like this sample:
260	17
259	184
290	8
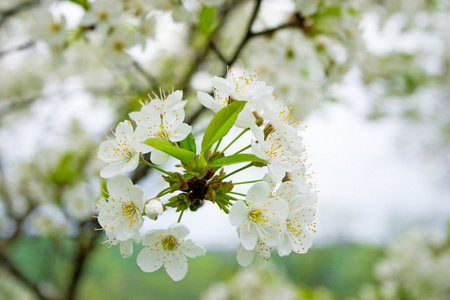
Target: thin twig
273	30
218	52
248	35
6	14
4	261
146	75
23	46
80	263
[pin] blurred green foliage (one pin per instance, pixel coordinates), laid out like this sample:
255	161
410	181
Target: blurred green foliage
340	269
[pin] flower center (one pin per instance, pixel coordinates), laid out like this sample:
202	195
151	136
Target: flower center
163	133
118	46
256	215
129	209
169	242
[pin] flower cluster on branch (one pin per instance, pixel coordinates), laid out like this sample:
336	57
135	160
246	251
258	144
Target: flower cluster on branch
279	208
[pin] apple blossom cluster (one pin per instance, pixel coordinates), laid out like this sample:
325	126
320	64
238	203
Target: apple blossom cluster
278	210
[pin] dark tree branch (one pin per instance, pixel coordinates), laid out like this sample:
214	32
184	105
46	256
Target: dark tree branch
146	75
6	14
217	51
247	37
23	46
84	249
9	265
275	29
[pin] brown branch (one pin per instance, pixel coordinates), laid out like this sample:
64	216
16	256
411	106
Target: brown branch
146	75
247	37
9	265
23	46
6	14
84	250
273	30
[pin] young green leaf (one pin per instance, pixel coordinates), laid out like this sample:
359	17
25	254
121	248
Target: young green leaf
189	143
235	159
207	16
184	156
221	124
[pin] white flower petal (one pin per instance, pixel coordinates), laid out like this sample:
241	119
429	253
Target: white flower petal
180	132
176	265
117	186
205	99
158	157
111	170
244	257
149	259
178	230
238	213
284	246
192	249
248	236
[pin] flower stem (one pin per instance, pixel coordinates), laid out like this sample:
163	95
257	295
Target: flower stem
238	170
243	149
181	215
153	166
239	194
235	139
217	145
163	192
245	182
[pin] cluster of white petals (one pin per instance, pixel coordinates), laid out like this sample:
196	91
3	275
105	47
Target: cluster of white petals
278	212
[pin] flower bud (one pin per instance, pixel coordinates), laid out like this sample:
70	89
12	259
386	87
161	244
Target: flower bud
153	208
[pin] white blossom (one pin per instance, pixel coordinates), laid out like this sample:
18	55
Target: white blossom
122	216
121	153
126	246
169	248
260	216
168	126
103	14
299	220
277	152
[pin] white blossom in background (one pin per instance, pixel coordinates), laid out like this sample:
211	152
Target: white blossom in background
262	281
147	29
121	152
103	14
78	201
115	45
168	247
122	215
427	277
46	220
179	11
48	28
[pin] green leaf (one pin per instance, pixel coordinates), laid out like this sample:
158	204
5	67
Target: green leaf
167	147
189	143
235	159
83	3
221	124
206	19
